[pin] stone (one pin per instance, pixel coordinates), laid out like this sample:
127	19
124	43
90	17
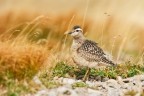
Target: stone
110	87
92	92
37	80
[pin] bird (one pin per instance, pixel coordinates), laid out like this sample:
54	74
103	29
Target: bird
86	52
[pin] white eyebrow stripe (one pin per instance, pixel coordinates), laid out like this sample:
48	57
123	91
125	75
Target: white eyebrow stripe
78	29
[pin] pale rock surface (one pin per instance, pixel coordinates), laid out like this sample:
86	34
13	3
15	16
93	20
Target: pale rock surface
110	87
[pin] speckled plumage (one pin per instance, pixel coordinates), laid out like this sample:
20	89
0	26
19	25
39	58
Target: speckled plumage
86	52
91	52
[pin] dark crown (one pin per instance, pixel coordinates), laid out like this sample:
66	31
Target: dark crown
76	26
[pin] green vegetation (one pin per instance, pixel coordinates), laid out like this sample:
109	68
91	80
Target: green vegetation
62	70
79	84
17	88
51	84
125	70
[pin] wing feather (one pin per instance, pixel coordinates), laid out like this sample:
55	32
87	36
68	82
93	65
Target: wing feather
90	51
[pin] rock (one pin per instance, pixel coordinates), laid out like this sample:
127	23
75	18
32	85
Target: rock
139	77
68	81
37	80
126	80
92	92
67	92
113	92
119	78
81	91
91	84
142	84
44	93
112	83
105	79
110	87
98	78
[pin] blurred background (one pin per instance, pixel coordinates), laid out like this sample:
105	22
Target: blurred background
32	39
117	25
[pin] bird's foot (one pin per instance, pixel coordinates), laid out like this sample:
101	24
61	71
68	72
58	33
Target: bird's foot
86	75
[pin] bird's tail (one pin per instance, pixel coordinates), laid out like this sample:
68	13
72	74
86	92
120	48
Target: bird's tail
105	60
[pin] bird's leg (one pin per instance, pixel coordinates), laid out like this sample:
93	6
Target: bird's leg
86	74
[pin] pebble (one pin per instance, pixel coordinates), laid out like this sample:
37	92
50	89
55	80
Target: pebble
110	87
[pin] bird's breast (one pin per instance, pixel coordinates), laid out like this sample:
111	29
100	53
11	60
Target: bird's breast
75	46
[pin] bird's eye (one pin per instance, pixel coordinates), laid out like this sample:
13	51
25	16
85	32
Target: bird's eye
77	30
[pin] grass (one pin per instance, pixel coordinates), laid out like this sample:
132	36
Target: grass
64	70
34	44
16	88
20	62
30	47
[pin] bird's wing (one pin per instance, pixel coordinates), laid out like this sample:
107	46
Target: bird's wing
90	51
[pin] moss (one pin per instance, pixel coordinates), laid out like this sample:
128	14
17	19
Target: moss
62	70
79	84
51	84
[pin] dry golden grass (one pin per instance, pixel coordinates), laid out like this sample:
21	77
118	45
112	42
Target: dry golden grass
20	61
23	53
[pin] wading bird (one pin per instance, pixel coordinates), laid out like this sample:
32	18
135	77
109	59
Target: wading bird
86	52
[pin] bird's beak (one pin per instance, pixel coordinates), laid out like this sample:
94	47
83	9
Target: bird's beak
70	32
67	33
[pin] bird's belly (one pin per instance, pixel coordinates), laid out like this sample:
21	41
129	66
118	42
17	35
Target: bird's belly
82	62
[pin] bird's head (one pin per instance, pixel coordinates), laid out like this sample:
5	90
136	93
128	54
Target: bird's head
76	32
